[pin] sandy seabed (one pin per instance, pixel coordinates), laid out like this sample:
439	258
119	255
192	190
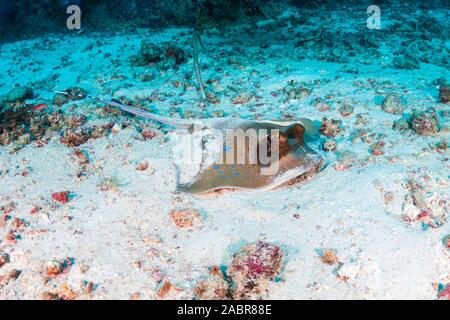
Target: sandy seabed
98	216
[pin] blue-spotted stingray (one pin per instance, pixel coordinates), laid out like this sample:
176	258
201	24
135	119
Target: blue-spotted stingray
298	153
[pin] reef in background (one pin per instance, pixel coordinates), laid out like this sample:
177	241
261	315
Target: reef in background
25	19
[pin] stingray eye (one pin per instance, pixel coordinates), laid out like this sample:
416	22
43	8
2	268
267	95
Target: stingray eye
295	131
282	142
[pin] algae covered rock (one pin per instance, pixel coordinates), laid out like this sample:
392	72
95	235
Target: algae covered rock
425	123
444	93
150	51
185	218
401	124
393	104
176	53
406	61
346	109
4	258
294	90
18	94
329	146
213	288
242	98
253	267
164	58
330	127
59	99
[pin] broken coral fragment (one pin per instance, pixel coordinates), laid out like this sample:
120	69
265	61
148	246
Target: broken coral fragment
142	166
443	291
75	138
242	98
213	288
185	218
329	145
252	269
294	90
330	127
53	268
65	292
425	123
424	202
9	276
329	257
4	258
446	241
47	295
61	197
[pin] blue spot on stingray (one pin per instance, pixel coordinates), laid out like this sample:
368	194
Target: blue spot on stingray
236	174
216	167
227	148
222	177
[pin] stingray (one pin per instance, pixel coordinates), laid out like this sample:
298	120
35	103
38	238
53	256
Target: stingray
295	144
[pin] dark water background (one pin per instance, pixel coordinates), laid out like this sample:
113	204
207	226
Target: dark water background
24	19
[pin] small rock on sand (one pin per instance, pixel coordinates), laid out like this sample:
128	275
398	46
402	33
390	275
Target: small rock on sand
444	93
185	218
393	104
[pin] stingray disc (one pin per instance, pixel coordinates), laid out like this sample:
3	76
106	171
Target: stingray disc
293	153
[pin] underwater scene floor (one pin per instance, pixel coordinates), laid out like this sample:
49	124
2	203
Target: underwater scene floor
89	205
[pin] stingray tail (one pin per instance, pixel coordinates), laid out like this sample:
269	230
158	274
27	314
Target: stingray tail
177	123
